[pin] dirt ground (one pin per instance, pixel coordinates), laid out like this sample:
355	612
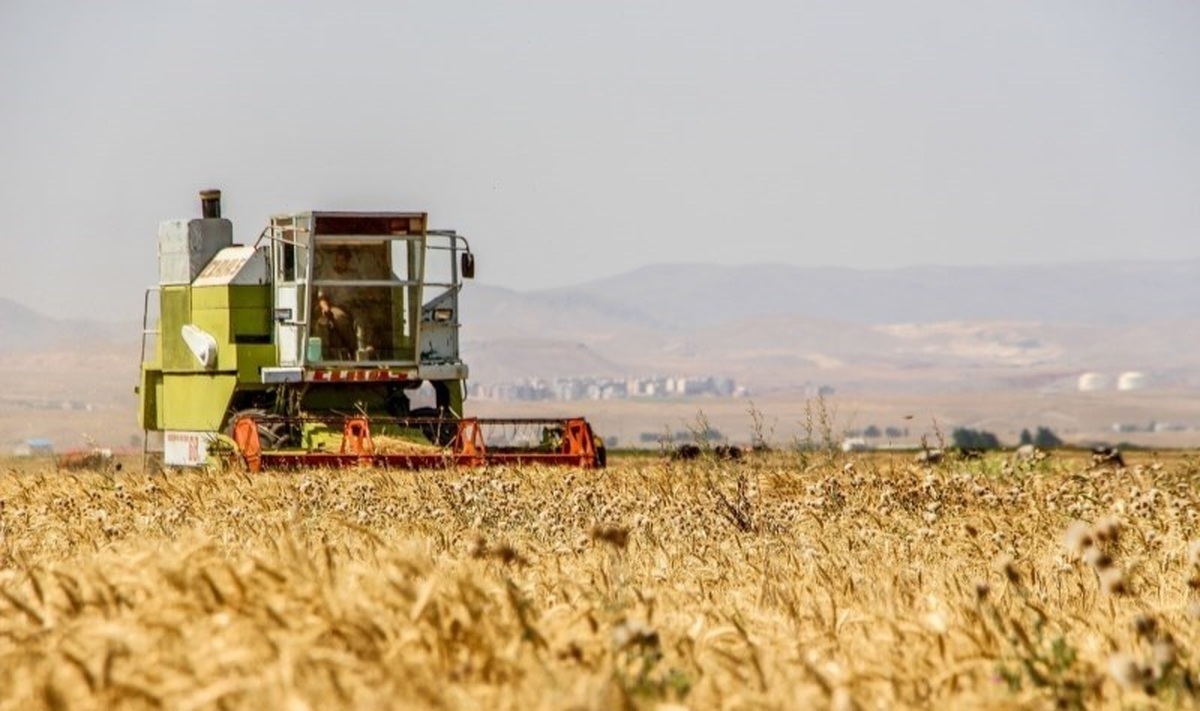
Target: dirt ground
1080	418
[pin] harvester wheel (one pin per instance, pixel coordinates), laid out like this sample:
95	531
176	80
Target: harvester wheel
439	433
271	435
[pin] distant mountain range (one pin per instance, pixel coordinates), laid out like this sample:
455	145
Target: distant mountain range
771	325
22	330
697	295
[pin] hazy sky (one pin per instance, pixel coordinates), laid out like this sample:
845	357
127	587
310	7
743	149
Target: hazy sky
577	140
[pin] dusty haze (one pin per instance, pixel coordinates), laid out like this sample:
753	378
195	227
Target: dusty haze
579	142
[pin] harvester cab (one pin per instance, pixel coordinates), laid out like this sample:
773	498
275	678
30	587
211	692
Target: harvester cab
333	340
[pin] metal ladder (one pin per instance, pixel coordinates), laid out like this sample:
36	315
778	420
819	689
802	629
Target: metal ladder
146	332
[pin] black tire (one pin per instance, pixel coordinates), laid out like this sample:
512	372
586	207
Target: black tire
271	435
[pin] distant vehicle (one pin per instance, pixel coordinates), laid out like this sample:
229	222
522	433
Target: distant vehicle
36	447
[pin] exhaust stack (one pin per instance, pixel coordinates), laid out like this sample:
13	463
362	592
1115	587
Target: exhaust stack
210	204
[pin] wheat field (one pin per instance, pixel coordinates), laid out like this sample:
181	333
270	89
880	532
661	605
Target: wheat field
784	581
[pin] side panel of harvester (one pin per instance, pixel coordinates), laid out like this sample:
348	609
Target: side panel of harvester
213	334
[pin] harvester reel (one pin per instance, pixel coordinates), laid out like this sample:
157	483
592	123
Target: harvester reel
440	430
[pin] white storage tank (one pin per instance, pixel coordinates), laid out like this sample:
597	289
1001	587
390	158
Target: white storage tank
1091	382
1133	380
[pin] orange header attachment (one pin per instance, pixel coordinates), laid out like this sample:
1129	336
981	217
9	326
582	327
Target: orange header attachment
245	436
578	441
469	444
564	442
356	437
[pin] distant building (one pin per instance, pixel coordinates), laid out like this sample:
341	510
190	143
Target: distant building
1092	382
1133	380
601	388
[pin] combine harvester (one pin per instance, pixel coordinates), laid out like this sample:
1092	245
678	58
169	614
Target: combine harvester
331	342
